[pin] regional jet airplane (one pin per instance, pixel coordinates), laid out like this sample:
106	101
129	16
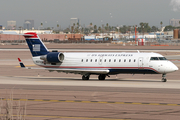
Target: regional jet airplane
101	64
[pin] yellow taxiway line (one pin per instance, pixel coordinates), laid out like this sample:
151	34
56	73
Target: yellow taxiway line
101	102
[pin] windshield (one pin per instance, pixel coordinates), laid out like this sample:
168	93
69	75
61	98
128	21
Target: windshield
158	58
162	58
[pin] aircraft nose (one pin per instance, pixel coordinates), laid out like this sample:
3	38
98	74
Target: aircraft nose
175	68
170	67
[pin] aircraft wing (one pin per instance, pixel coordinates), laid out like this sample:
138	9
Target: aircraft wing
70	70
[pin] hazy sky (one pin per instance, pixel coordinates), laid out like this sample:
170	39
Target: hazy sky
114	12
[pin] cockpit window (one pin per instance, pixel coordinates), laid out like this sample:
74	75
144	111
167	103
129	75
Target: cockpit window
158	58
154	58
162	58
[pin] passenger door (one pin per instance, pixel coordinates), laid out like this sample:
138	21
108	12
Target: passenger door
140	63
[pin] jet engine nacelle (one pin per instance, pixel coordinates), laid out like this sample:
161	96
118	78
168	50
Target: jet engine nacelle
53	57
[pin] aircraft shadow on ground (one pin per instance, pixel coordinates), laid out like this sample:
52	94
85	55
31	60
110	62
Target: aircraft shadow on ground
93	79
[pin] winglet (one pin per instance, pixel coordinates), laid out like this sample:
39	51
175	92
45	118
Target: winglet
21	64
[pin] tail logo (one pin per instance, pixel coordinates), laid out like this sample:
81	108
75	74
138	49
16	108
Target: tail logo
36	47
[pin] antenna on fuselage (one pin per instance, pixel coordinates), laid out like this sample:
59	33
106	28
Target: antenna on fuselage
138	51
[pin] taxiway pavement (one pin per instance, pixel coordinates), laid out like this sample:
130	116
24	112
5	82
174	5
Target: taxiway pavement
51	95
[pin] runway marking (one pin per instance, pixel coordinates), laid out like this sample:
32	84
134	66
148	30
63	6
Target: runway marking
102	102
87	118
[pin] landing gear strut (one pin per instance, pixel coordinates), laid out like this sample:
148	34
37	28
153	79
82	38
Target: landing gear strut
85	77
102	77
164	78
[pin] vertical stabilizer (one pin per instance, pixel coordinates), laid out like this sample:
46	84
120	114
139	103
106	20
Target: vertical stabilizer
35	44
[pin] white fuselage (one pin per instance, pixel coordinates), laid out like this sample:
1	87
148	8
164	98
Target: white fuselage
116	63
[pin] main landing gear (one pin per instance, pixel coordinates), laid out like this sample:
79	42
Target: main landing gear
100	77
85	77
164	78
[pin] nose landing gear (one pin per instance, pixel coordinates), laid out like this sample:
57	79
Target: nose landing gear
164	78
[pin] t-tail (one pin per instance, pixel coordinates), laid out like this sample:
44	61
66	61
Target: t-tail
35	44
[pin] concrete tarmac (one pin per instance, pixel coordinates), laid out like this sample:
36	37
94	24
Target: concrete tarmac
47	102
44	95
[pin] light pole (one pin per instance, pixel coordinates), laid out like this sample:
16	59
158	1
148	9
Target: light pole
101	28
143	31
45	22
118	32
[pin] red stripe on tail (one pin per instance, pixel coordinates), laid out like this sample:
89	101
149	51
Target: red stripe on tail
30	35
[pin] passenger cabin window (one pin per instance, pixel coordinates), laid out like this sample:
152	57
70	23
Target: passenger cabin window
95	60
134	60
119	60
129	60
82	60
109	60
104	60
124	60
114	60
86	60
91	60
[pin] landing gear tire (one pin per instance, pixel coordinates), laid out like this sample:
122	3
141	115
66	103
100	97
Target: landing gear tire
164	79
101	77
85	77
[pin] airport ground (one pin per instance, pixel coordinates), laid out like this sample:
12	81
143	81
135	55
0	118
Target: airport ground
52	96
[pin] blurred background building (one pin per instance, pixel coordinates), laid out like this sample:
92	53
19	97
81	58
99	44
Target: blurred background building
11	25
74	21
174	22
29	24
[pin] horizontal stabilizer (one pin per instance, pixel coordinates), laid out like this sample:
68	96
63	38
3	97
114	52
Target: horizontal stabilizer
27	35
